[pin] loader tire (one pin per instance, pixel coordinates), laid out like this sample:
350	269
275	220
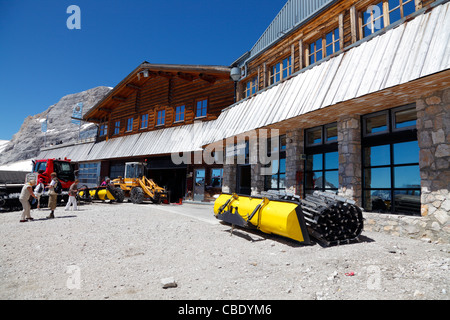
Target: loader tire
137	195
119	195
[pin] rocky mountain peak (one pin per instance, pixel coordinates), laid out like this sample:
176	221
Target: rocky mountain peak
28	142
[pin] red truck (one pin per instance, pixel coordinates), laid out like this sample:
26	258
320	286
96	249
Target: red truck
11	182
64	168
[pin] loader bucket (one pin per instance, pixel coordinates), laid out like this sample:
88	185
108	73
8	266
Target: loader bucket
97	194
283	218
104	194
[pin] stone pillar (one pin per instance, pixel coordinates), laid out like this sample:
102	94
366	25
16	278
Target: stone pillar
433	133
257	178
294	165
229	178
349	142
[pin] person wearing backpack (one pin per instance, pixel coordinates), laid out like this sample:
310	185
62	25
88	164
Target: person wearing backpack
54	187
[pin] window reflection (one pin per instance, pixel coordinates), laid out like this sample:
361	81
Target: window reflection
405	118
407	177
391	175
376	124
406	152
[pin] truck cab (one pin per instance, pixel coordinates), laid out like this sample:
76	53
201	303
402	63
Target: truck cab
64	169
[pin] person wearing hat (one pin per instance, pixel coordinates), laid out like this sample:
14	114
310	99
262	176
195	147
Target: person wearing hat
52	195
25	194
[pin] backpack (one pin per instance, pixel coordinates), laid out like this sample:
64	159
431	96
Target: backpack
58	187
39	188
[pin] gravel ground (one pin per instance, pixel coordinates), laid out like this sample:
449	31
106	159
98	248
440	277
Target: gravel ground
122	251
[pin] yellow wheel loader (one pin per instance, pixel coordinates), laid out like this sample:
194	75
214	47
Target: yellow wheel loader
137	187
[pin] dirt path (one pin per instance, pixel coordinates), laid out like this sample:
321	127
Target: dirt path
122	251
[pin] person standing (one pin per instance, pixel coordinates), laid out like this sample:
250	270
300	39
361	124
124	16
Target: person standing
38	191
53	195
73	190
25	194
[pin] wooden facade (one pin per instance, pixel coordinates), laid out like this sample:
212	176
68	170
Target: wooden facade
345	17
152	89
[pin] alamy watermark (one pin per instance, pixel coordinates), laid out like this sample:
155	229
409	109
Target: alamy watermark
74	20
74	280
260	146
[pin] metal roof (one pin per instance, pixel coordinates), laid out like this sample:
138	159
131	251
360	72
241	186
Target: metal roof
407	52
76	152
186	138
291	16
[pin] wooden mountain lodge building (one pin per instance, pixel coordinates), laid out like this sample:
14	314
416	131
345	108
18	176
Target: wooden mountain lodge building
357	90
155	111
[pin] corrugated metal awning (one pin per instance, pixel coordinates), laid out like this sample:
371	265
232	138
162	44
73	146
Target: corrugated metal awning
77	152
186	138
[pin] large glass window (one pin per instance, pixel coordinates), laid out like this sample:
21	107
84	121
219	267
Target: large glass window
322	159
391	171
216	178
89	174
277	181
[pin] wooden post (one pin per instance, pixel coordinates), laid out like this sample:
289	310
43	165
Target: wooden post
265	76
353	24
341	31
292	58
301	53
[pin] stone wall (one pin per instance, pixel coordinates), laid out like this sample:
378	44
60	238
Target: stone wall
350	170
294	164
433	131
400	225
229	178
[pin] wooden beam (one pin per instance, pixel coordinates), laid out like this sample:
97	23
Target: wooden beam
207	78
133	86
118	98
185	76
165	74
105	110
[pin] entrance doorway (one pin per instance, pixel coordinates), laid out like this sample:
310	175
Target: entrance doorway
199	184
174	180
244	179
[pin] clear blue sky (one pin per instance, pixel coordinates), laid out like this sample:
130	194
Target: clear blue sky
41	60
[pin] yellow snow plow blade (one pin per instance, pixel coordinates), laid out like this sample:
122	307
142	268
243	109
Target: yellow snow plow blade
98	194
282	218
